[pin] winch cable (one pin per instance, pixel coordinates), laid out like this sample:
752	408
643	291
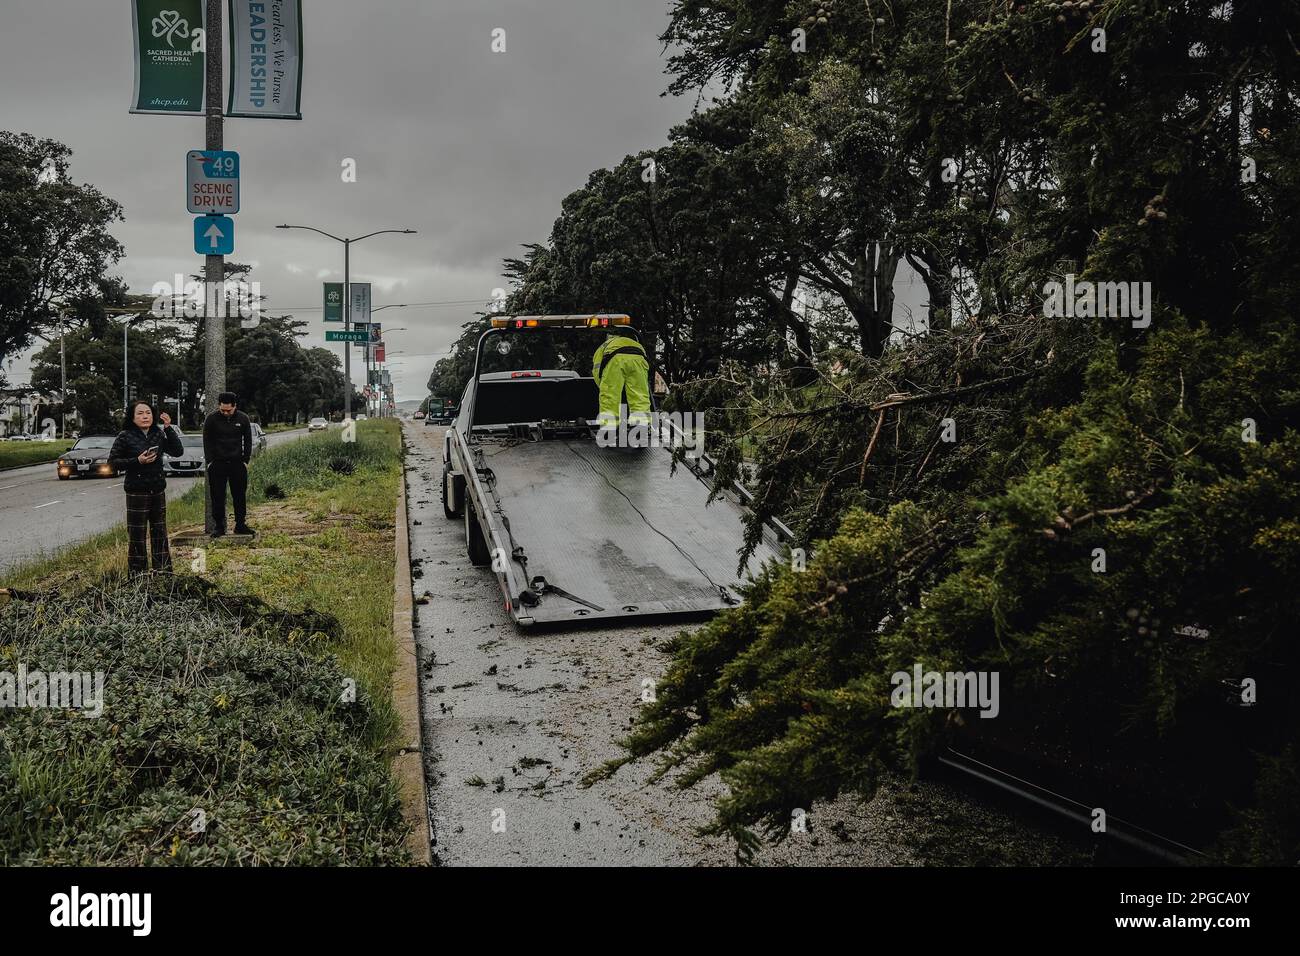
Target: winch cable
722	591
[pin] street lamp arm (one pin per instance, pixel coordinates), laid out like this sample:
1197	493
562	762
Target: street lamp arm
329	235
405	232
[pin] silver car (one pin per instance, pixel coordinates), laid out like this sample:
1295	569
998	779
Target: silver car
191	462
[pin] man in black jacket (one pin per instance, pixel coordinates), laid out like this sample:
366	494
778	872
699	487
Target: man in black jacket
227	448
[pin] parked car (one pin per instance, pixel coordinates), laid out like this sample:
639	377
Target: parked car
259	440
21	436
88	458
361	418
191	463
317	425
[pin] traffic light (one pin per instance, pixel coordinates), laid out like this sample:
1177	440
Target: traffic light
185	390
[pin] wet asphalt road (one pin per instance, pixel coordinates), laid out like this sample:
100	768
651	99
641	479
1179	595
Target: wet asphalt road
513	719
39	514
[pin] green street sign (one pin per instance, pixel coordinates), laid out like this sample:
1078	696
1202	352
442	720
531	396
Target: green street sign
333	302
347	336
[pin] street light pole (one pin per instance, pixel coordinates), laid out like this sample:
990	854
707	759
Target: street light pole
63	377
347	326
214	267
371	364
347	299
380	404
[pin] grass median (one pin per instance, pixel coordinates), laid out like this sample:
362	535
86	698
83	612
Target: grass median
249	691
15	454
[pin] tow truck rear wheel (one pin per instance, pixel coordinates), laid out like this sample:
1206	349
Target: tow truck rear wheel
475	543
453	493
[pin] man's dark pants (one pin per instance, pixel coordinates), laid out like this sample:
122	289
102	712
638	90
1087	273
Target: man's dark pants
235	473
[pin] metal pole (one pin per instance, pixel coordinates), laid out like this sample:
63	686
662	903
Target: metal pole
126	324
347	325
214	268
63	376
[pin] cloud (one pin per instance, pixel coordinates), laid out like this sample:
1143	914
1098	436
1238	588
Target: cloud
473	149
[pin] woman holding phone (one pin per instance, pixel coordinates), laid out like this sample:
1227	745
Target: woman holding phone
138	452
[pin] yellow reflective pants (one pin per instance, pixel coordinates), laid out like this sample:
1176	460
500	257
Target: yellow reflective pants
624	372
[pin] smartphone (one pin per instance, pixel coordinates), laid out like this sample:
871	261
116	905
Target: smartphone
153	449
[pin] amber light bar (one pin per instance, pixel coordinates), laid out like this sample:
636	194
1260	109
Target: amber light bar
559	321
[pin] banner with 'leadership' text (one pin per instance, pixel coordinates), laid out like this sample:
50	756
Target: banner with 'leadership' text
265	59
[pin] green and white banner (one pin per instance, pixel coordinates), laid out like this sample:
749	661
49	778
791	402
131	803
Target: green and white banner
333	301
265	59
170	63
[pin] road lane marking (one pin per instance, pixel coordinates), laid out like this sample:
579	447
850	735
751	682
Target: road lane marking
20	484
47	504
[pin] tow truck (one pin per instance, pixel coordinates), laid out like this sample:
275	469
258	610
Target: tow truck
579	529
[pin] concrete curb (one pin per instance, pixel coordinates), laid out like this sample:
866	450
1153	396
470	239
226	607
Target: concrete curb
408	764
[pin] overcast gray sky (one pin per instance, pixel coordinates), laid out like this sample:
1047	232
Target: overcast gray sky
472	148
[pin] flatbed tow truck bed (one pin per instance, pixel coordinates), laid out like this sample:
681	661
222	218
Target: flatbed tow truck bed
617	528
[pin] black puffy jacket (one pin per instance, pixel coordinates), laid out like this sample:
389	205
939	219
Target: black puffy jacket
132	443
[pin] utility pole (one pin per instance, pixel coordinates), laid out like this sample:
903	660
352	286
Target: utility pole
347	325
63	377
214	327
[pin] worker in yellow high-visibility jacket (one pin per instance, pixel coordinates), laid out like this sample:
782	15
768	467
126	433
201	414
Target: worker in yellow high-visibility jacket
620	365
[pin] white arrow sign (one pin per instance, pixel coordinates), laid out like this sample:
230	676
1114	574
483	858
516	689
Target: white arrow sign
214	236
